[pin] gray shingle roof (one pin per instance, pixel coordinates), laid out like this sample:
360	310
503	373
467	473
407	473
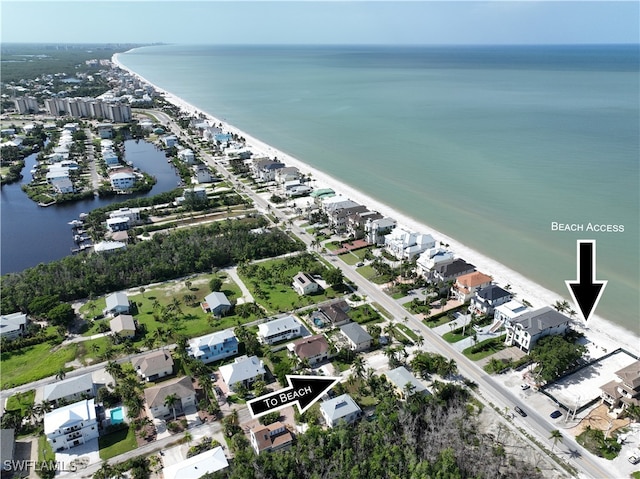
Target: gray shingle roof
355	333
537	321
492	293
339	407
67	387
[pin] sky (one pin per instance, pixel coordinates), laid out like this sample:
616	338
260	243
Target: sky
313	22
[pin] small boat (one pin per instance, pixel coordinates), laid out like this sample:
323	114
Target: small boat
83	216
75	223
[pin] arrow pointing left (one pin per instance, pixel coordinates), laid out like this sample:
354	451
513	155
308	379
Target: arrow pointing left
303	391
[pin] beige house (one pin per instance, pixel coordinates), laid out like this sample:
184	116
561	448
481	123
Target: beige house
304	284
153	366
123	325
273	437
624	391
314	349
156	397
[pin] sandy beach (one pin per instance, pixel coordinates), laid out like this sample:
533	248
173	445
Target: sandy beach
602	334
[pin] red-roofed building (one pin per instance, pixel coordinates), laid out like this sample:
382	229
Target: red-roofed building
270	438
314	349
467	284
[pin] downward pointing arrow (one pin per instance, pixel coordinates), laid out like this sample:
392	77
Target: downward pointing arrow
587	291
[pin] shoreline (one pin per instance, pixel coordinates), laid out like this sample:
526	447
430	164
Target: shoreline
599	331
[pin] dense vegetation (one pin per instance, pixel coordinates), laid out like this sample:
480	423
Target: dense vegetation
29	61
428	437
557	355
164	257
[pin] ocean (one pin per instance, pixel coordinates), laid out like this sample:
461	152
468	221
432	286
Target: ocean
489	145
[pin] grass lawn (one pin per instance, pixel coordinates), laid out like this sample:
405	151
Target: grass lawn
349	258
408	331
33	363
117	443
485	348
382	311
331	245
454	337
21	401
365	314
45	452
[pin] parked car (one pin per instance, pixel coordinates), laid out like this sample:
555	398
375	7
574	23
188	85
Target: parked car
555	414
524	386
634	459
520	411
360	264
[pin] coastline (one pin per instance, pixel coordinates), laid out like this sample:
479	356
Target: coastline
599	331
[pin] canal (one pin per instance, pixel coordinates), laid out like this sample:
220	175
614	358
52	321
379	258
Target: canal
31	234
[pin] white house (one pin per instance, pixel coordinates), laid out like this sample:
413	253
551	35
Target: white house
525	330
404	244
13	325
197	466
244	371
187	156
466	285
356	336
505	313
213	347
304	284
279	329
117	303
340	408
486	300
71	425
122	179
431	258
69	390
170	141
216	303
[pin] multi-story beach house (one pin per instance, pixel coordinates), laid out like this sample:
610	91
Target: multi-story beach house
624	391
187	156
264	169
375	230
304	284
340	408
466	285
443	273
214	346
525	330
405	245
180	388
338	216
71	425
272	437
280	329
122	179
244	371
69	390
486	300
430	259
357	221
356	336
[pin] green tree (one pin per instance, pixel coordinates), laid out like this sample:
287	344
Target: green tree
170	402
555	436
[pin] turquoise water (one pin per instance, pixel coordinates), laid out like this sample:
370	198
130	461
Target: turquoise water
117	415
486	144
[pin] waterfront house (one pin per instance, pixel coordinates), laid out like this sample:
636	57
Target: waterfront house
105	130
243	371
506	313
286	174
404	244
197	466
202	174
467	284
69	390
214	347
132	215
187	156
375	230
109	246
338	217
487	299
181	388
432	258
356	336
404	383
154	365
525	330
336	313
624	391
123	325
117	224
444	273
313	349
340	408
71	425
356	222
13	325
264	169
304	284
272	437
117	303
278	330
216	303
62	185
122	179
169	141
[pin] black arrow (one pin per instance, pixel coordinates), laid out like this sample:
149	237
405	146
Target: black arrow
302	390
586	292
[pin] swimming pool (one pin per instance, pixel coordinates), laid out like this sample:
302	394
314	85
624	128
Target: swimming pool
117	415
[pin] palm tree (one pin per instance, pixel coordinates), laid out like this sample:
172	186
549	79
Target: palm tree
170	402
555	437
60	375
114	370
358	367
188	437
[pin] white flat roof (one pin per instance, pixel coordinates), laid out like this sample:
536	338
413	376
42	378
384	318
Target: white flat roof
197	466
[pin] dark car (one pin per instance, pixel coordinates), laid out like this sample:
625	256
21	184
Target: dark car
520	411
555	414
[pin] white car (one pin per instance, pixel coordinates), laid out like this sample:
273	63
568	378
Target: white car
634	459
524	386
